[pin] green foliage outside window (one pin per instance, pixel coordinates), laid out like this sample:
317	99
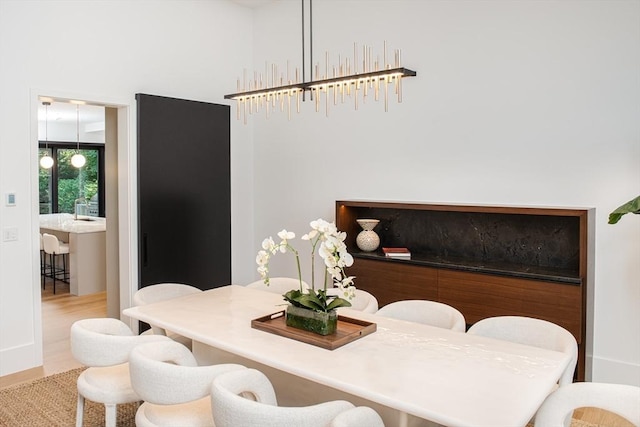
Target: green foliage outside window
72	182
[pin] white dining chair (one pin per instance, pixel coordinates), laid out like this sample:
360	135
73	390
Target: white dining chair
427	312
176	391
104	344
533	332
278	285
54	248
363	301
246	398
621	399
162	292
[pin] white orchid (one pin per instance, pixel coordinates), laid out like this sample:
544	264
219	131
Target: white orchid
329	241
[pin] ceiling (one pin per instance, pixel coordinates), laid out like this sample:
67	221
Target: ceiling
65	112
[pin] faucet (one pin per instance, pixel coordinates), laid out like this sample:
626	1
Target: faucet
75	206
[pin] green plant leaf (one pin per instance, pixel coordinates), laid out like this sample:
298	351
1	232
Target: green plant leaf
632	206
338	302
312	301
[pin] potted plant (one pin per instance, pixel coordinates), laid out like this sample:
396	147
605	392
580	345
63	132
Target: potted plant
632	206
313	309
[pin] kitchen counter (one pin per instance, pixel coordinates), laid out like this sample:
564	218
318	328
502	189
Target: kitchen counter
87	249
65	222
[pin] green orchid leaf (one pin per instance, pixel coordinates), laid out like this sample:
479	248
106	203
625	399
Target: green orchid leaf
312	302
292	297
632	206
338	302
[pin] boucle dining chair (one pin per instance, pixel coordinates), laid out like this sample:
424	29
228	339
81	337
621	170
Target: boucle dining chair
621	399
104	344
246	398
53	247
363	301
533	332
278	285
176	391
162	292
427	312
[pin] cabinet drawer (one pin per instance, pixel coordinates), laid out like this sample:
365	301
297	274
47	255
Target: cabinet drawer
390	281
479	296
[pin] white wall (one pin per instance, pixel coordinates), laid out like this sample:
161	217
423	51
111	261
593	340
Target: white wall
527	103
523	103
103	51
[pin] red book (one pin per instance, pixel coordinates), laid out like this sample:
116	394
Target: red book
397	252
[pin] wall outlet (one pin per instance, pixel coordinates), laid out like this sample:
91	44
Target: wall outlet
9	234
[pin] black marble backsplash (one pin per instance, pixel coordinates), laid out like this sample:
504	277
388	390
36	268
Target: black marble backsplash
524	242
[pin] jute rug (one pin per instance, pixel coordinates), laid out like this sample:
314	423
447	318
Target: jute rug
51	401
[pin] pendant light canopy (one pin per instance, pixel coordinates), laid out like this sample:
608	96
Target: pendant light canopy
46	161
78	160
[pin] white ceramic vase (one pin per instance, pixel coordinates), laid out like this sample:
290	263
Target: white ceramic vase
367	240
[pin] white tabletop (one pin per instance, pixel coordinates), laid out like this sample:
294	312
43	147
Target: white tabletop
447	377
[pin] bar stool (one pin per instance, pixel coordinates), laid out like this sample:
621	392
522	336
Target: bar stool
53	247
43	263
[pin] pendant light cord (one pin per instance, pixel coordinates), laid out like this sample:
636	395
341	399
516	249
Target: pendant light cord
304	75
78	127
46	126
311	39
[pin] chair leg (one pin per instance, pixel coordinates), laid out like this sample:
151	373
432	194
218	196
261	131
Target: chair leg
53	271
110	415
43	267
80	411
65	274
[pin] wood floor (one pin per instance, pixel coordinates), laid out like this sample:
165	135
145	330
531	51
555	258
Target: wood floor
61	310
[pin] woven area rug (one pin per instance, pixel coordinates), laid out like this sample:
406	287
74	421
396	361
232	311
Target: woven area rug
51	401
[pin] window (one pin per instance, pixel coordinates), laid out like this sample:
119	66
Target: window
62	184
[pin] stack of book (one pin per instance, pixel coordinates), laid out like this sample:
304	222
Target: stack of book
403	253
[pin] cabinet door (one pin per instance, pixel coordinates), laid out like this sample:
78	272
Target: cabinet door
184	196
390	280
480	295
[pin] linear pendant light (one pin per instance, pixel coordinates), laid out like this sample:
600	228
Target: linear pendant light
46	161
363	76
78	160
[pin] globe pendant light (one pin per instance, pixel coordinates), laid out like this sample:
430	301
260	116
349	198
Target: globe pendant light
46	161
78	160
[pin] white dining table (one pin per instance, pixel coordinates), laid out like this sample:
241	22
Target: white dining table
450	378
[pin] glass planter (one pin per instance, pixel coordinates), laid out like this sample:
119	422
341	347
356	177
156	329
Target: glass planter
319	322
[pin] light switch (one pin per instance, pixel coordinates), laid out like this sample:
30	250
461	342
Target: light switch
10	234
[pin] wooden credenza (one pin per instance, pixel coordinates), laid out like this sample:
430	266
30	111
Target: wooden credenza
484	260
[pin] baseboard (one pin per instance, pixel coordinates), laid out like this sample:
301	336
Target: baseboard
615	371
21	377
19	358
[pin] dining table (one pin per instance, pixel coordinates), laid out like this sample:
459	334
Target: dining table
411	373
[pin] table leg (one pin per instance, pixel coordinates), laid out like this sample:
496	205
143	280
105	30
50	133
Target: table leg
403	419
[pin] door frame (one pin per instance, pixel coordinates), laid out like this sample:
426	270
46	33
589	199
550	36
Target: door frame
127	210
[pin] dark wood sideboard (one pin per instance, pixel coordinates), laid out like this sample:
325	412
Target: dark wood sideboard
484	260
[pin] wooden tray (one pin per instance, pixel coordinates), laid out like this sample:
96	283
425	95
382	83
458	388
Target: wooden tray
347	330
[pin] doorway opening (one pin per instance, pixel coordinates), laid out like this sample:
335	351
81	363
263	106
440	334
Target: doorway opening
97	186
